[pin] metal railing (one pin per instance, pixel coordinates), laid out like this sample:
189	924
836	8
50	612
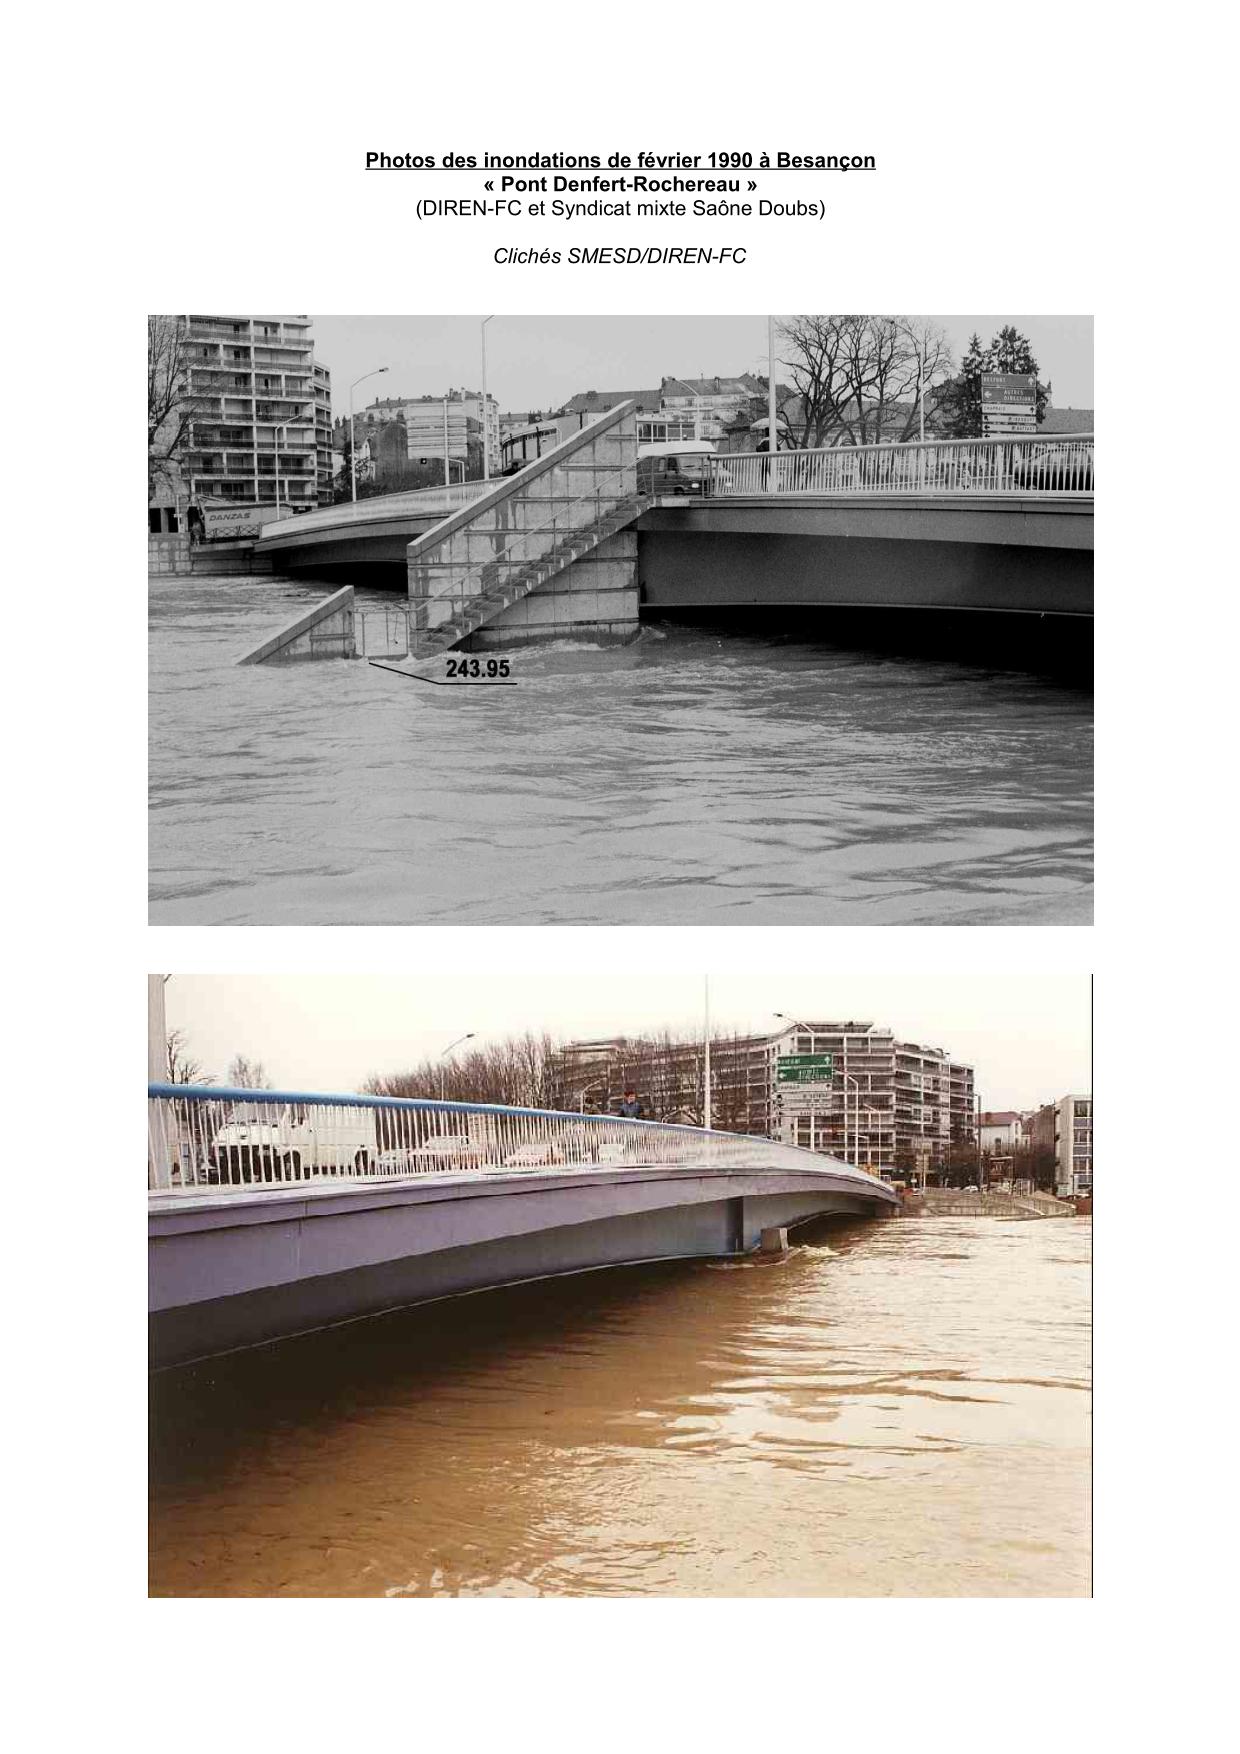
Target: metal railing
379	506
200	1138
445	587
1021	466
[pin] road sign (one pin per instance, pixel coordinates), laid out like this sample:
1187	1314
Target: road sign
817	1099
804	1068
1008	389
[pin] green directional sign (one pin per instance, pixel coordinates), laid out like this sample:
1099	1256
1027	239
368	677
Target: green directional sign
804	1069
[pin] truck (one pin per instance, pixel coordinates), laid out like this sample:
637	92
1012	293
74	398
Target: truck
233	523
290	1141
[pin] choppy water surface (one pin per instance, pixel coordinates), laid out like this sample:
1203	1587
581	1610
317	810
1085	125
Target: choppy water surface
692	776
897	1409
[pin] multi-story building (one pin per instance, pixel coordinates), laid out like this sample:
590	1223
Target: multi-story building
324	468
890	1104
1002	1136
254	437
461	419
1066	1127
707	405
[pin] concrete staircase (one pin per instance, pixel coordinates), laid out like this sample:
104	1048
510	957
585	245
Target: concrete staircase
475	611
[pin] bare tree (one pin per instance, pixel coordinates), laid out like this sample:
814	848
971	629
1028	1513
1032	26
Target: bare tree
933	362
181	1066
814	351
853	372
170	409
246	1074
518	1072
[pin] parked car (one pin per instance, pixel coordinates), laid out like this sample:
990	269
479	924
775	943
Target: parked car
1051	467
288	1141
445	1150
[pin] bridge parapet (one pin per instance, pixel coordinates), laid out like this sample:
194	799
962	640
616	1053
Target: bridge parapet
204	1139
378	508
1050	465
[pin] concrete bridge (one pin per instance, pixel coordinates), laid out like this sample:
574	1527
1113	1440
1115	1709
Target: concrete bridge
276	1213
571	544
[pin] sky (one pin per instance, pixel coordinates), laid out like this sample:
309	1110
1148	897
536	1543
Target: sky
1028	1036
539	362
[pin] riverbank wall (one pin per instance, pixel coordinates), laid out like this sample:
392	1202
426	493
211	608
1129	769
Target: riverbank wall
948	1203
176	557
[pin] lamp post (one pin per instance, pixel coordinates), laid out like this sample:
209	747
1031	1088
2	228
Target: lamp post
486	429
706	1066
856	1084
377	373
443	1070
279	427
872	1114
772	432
599	1084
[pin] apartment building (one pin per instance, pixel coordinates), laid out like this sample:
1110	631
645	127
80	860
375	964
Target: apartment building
1067	1128
256	436
456	421
707	405
324	468
894	1105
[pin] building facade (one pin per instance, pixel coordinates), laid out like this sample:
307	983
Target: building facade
460	422
707	405
254	435
894	1106
325	472
1066	1127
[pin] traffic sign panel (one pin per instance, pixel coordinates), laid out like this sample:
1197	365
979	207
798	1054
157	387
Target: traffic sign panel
803	1068
1008	387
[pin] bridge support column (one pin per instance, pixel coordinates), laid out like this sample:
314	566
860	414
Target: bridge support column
594	598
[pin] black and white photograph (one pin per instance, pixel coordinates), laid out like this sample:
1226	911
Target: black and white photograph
620	620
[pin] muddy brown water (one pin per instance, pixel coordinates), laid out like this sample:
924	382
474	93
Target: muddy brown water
895	1409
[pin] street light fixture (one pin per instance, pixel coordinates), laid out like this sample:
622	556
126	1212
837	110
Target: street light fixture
279	426
486	436
443	1070
377	373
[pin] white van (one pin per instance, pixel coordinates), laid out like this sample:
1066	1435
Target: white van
679	468
285	1142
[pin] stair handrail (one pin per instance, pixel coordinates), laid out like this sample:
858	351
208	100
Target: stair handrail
517	483
450	567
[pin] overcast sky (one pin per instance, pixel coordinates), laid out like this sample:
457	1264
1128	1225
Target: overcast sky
1027	1035
539	362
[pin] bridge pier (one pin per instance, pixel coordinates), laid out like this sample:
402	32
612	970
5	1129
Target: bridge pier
594	598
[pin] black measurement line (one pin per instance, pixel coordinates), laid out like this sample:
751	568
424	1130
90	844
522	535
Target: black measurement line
412	676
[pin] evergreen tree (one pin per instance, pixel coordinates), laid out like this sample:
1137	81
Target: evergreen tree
959	405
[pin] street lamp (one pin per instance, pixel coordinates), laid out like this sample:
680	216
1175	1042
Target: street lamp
486	435
772	438
377	373
599	1084
443	1070
277	428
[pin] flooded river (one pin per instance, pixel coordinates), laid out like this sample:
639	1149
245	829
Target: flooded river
694	776
896	1409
